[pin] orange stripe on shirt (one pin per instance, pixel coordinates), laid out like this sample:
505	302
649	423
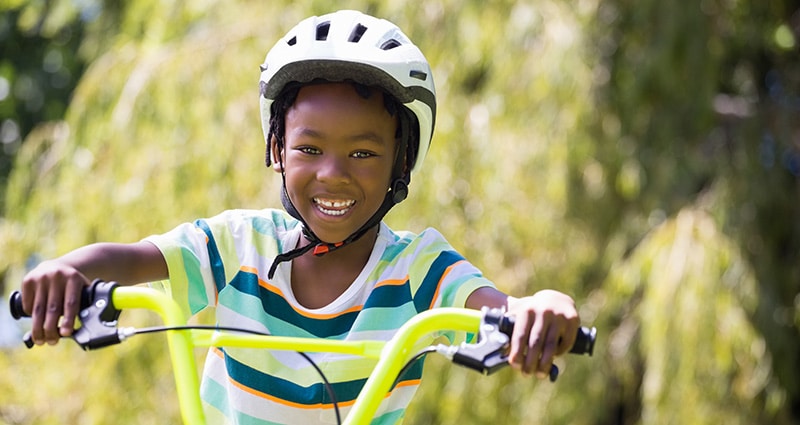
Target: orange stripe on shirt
439	284
279	400
409	383
275	290
286	402
262	283
402	384
392	282
260	394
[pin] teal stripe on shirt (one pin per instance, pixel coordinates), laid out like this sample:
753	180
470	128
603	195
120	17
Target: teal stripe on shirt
283	389
389	296
217	268
287	390
280	309
197	294
423	298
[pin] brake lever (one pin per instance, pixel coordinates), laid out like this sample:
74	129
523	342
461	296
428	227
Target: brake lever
98	320
98	317
490	353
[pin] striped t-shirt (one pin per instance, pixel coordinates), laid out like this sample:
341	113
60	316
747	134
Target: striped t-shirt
222	263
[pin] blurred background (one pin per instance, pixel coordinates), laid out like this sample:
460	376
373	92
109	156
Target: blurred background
642	156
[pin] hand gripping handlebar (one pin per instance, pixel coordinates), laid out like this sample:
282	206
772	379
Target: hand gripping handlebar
97	314
490	353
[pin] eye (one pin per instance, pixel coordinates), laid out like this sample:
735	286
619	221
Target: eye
308	150
363	154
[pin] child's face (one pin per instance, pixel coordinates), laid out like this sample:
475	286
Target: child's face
338	157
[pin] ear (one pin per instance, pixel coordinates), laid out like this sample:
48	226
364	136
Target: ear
277	153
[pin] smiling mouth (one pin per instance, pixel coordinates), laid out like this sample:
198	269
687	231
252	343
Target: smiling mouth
334	208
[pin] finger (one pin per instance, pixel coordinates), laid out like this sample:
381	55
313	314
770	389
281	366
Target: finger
536	341
568	337
72	302
554	332
55	307
519	341
28	290
38	309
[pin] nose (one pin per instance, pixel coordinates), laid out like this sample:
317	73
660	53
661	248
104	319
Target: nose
333	169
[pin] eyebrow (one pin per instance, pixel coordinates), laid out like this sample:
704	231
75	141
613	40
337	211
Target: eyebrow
368	135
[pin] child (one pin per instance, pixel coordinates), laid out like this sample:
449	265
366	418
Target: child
348	107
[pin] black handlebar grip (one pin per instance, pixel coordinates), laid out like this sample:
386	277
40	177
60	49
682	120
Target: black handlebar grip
584	339
15	306
17	312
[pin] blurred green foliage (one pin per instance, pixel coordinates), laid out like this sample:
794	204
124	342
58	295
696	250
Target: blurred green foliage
38	70
643	157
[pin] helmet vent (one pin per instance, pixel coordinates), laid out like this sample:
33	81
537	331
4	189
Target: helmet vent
419	75
358	31
292	41
322	31
390	44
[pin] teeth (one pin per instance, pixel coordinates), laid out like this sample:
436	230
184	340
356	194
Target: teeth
333	212
335	208
334	204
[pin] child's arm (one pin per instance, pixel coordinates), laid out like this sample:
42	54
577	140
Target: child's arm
53	288
545	326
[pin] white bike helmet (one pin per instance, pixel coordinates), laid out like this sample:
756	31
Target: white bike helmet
351	46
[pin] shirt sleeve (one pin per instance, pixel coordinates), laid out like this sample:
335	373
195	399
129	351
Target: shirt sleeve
189	253
461	281
439	275
205	255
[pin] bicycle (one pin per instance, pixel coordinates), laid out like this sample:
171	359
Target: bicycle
102	303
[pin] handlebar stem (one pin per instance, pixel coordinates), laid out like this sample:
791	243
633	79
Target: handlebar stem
180	345
391	363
